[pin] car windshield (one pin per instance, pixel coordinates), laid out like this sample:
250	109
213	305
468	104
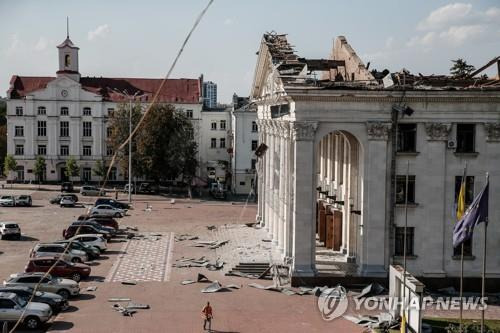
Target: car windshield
21	301
6	197
13	226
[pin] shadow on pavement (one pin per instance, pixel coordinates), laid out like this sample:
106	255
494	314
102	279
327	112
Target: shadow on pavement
60	325
25	238
70	309
85	297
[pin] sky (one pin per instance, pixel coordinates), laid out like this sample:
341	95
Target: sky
124	38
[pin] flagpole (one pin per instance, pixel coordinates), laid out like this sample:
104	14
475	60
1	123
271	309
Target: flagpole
483	277
404	243
464	182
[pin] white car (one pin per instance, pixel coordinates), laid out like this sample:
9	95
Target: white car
13	308
56	250
10	229
67	201
7	201
45	282
91	190
107	210
96	240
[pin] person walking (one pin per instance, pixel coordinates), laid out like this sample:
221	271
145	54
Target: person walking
207	315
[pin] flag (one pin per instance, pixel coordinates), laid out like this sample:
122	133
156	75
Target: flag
461	199
403	323
475	214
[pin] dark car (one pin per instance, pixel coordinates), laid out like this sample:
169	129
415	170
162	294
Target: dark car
56	302
66	187
146	188
57	200
62	268
73	230
91	251
96	225
106	221
112	202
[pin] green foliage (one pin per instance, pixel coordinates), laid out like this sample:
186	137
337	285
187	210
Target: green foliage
39	167
163	148
100	169
461	69
10	164
469	328
72	168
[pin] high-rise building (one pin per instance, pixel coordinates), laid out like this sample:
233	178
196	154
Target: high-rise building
209	94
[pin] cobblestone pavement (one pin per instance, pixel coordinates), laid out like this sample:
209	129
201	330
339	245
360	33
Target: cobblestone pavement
145	259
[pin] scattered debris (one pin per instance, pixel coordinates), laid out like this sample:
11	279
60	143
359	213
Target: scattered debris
216	266
211	227
251	224
131	306
384	321
267	240
186	282
117	299
214	287
233	286
123	310
172	201
184	237
129	282
372	289
131	228
211	244
91	288
202	278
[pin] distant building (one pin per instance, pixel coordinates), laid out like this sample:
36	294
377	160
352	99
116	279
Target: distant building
209	94
245	139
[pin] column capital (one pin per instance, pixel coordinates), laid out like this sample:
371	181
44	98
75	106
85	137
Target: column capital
303	130
437	131
378	130
492	132
284	127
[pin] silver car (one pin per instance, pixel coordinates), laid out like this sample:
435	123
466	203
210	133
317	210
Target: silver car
56	250
96	240
24	200
64	287
91	190
107	210
13	308
10	229
7	201
67	201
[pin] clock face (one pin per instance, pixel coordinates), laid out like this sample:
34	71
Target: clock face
64	93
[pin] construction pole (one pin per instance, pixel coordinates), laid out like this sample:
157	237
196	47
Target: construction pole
483	277
130	150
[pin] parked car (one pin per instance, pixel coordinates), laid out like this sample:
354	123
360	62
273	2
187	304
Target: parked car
56	302
61	286
101	228
146	188
102	220
91	251
67	201
13	308
67	187
62	268
57	199
24	200
132	188
58	250
92	240
111	202
73	230
7	201
10	229
107	210
91	190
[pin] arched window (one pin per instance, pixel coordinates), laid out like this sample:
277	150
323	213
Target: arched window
67	60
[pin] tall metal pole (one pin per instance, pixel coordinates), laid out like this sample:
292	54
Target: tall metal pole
130	151
483	277
464	181
404	241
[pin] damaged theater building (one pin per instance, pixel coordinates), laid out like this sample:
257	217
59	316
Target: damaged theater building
336	141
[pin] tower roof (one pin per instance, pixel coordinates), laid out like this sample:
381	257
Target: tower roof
67	42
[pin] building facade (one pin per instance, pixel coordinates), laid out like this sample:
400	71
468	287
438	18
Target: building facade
338	151
67	116
209	94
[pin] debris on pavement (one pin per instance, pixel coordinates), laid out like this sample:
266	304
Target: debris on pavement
91	288
123	311
133	306
184	237
211	227
213	288
211	244
219	264
202	278
118	299
129	282
384	321
186	282
372	289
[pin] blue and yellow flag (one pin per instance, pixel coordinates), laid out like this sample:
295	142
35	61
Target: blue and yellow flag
461	199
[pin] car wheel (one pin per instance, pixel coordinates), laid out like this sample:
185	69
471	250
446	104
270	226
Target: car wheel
18	237
63	293
76	260
32	322
76	277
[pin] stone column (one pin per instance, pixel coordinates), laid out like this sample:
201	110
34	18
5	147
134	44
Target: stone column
270	176
267	175
290	195
282	189
304	244
276	180
260	178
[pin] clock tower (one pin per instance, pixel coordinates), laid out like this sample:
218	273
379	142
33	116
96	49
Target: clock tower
68	59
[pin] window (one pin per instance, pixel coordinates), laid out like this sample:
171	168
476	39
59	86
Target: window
87	150
254	163
19	150
19	111
465	138
64	150
222	124
242	183
400	238
254	126
109	151
469	189
6	304
86	173
457	251
64	111
407	138
64	129
111	112
87	128
222	143
254	145
42	111
67	60
112	174
109	132
214	125
213	143
189	113
87	111
19	131
401	187
42	128
42	150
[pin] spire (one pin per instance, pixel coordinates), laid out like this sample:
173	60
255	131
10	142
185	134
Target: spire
67	26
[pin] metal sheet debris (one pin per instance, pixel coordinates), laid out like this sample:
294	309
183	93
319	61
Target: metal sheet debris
118	299
185	282
91	288
129	282
214	287
372	289
137	306
184	237
202	278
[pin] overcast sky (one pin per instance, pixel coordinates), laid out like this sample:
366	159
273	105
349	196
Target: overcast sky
122	38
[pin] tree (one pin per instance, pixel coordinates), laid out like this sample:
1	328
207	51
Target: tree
39	168
100	170
72	168
460	69
10	165
3	132
164	146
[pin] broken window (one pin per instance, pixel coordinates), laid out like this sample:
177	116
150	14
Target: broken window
400	238
407	138
466	138
401	189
